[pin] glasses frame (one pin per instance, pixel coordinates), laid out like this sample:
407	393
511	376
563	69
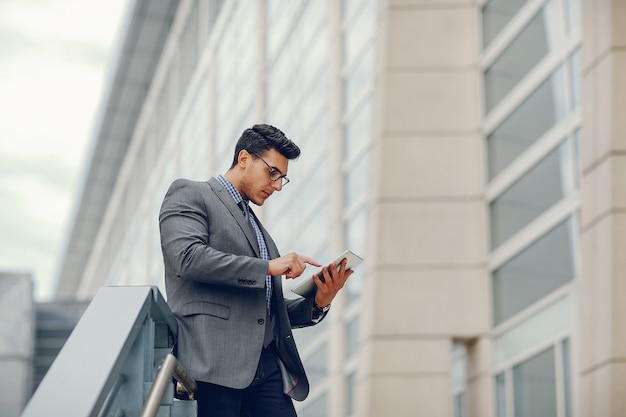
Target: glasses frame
274	171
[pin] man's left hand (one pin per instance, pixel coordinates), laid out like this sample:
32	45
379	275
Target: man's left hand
334	280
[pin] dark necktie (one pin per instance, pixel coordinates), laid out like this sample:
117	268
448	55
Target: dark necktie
262	249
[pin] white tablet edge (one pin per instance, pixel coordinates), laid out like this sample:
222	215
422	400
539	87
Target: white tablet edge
308	286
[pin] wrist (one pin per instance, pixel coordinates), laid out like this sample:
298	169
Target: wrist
320	309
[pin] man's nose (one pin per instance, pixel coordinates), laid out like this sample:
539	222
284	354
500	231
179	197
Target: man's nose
277	185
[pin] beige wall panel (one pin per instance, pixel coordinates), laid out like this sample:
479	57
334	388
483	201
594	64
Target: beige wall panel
618	82
414	30
604	27
603	190
603	120
410	397
433	166
431	303
431	233
603	310
479	399
480	386
603	391
597	92
406	356
431	101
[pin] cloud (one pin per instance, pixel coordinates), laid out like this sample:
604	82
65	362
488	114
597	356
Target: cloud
53	56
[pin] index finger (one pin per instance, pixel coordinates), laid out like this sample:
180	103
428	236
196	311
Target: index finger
310	261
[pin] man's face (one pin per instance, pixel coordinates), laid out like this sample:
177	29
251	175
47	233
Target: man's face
256	184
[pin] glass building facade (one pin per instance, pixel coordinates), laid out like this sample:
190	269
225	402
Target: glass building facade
531	65
452	144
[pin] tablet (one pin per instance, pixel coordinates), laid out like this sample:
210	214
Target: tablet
308	287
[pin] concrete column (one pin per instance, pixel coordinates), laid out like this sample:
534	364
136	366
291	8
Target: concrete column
426	283
602	361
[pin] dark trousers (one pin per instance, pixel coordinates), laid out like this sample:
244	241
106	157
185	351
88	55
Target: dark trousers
263	398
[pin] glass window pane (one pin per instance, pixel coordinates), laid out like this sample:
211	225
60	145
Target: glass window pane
361	30
500	395
534	117
357	180
356	235
567	375
317	365
541	327
350	392
496	14
574	14
359	79
534	385
306	335
533	43
358	130
352	337
315	408
534	193
459	405
576	156
576	72
459	366
535	272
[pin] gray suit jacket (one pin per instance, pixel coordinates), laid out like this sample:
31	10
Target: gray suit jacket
215	285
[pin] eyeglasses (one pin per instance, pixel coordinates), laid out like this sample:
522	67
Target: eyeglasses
275	173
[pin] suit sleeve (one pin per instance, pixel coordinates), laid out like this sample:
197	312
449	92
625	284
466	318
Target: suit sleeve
203	245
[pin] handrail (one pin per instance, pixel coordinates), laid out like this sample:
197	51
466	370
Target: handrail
111	355
170	367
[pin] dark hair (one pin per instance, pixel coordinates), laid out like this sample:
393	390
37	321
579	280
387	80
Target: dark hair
260	138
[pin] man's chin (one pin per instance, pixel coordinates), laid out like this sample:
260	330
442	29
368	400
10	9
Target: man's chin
259	202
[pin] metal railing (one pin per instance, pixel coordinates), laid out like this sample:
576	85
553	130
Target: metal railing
170	367
111	360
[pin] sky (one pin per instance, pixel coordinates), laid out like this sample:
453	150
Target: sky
54	62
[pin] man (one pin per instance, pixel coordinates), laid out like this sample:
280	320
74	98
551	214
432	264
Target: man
223	283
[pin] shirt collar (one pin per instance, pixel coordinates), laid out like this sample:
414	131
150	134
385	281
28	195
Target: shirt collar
231	190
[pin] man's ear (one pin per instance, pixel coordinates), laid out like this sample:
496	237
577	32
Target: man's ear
243	158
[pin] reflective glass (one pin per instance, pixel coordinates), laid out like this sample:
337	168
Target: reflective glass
348	7
535	272
500	395
459	405
534	386
317	228
574	14
317	365
350	393
496	14
541	327
544	108
357	180
352	337
576	156
356	234
576	74
306	335
531	195
567	377
315	408
358	130
359	79
459	373
360	31
534	42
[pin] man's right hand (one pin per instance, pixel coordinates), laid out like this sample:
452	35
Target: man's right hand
291	265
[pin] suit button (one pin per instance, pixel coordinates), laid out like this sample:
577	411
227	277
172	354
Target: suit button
261	321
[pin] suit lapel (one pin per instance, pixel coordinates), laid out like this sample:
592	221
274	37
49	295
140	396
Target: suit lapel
235	210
